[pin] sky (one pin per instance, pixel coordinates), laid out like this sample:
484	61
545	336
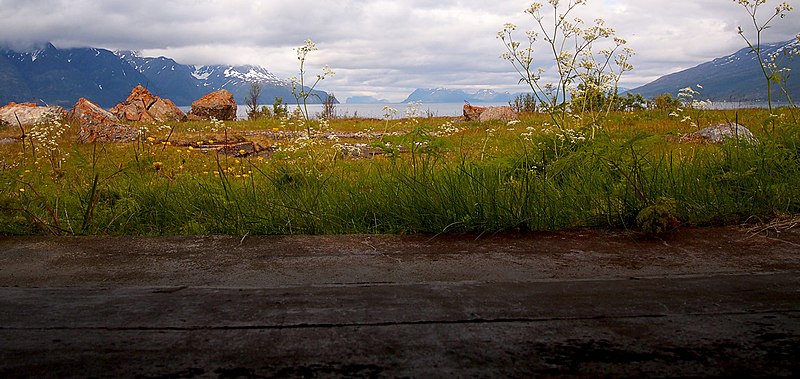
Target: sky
383	48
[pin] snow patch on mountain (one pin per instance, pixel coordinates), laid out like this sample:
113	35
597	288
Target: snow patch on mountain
199	74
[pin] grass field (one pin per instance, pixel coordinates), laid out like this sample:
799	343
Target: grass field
430	175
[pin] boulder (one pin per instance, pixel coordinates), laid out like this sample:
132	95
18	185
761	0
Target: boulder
504	114
219	105
484	114
85	112
720	132
98	124
473	113
29	114
142	106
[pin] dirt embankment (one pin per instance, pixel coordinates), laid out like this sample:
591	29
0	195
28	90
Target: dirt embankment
319	260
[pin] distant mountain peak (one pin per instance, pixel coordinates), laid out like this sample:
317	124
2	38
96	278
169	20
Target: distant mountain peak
734	77
446	95
365	100
255	74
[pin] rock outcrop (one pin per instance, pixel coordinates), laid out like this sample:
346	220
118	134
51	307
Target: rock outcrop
721	132
29	114
142	106
99	125
484	114
219	105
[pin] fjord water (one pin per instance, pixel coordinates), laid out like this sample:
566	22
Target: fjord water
447	109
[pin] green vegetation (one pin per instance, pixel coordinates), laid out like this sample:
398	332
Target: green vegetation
400	176
593	159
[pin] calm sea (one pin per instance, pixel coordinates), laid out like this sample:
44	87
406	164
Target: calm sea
378	110
439	109
397	110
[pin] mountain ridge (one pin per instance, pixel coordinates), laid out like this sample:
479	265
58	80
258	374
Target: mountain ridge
46	74
734	77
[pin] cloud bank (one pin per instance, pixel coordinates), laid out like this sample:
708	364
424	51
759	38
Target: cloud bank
378	47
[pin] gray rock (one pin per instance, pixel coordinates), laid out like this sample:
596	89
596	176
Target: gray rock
482	114
721	132
29	114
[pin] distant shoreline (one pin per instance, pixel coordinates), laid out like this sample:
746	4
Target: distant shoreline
450	109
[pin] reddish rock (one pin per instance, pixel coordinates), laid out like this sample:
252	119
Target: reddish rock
85	112
98	124
473	113
142	106
219	105
483	114
29	114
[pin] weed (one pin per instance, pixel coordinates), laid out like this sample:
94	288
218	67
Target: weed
582	71
658	218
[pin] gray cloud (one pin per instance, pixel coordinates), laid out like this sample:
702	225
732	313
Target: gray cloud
377	47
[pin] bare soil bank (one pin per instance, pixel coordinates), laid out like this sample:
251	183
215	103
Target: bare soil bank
230	261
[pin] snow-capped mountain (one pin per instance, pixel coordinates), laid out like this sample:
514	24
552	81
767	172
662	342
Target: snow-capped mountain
46	74
228	76
445	95
186	83
735	77
366	100
488	95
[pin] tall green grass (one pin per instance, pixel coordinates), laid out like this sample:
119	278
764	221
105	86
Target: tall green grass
471	181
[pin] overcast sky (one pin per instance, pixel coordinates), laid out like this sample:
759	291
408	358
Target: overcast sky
382	48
